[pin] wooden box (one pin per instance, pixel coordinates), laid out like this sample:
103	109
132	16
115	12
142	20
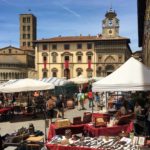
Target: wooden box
62	123
99	122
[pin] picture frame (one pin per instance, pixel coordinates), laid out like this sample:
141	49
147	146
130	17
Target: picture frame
141	141
135	140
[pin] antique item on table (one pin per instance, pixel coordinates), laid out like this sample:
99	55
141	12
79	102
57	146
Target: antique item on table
68	134
99	122
107	143
60	123
125	119
31	129
77	120
75	137
56	139
87	118
65	141
141	141
135	140
123	134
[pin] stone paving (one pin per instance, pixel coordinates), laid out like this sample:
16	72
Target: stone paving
10	127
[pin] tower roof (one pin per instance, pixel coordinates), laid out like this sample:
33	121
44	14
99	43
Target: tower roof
110	14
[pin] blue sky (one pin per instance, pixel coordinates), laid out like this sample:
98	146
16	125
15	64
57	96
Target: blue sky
66	18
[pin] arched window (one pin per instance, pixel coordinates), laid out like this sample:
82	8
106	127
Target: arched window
44	58
98	71
44	71
4	75
54	72
54	57
89	72
44	54
10	77
110	59
89	56
79	57
79	53
79	71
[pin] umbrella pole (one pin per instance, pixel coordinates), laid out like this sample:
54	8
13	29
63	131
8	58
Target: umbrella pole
28	102
106	101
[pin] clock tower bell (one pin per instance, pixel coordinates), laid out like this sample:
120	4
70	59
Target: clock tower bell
110	24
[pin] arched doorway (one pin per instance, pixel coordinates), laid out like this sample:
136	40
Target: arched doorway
109	69
67	73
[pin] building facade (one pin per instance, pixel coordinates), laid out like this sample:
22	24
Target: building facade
28	24
138	55
16	63
144	29
88	55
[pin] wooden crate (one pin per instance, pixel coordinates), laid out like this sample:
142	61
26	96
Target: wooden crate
60	123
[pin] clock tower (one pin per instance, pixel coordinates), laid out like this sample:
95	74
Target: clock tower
110	24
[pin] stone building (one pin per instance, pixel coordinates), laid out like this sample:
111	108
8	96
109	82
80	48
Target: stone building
144	29
138	55
16	63
28	24
88	55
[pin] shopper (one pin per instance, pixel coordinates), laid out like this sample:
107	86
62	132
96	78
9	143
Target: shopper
50	108
60	106
97	100
90	97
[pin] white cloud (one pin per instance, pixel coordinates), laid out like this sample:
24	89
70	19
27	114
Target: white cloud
69	10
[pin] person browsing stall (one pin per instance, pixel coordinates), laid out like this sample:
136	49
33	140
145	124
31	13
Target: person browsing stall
50	108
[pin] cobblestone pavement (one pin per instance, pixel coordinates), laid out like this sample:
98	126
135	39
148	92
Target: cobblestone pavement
10	127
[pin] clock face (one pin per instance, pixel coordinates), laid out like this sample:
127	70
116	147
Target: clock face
110	22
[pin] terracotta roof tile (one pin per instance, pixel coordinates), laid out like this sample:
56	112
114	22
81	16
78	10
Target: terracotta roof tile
78	39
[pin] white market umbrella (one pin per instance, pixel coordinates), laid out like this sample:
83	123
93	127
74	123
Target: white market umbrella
79	80
131	76
55	81
24	85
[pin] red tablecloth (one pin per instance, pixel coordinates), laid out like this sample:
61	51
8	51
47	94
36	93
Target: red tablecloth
108	131
96	114
5	110
61	147
60	131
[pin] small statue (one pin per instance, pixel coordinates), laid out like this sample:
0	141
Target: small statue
31	128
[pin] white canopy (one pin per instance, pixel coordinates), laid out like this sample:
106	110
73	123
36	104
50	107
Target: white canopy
79	80
55	81
131	76
25	85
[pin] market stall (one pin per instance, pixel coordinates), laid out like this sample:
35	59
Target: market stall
55	81
100	143
23	85
108	131
79	80
131	76
53	130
